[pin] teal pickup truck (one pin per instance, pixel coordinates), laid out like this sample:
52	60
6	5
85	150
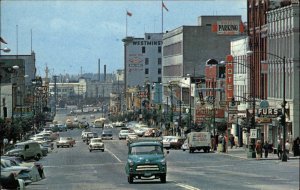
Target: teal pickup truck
146	159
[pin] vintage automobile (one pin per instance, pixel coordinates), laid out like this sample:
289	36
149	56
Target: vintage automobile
173	142
146	159
65	141
96	144
123	134
26	150
90	136
107	134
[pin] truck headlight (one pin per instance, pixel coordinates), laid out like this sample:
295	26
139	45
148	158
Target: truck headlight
130	162
163	161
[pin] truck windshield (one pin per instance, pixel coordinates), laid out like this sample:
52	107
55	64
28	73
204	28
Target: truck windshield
146	150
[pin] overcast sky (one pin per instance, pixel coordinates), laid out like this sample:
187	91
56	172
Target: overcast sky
69	34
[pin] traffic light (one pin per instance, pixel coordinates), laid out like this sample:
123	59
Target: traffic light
282	120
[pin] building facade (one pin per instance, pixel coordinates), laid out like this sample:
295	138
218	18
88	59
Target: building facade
142	59
283	39
187	49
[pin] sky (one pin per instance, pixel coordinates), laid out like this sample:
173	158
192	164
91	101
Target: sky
70	34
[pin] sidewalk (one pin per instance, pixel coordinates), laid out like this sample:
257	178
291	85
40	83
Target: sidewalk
241	152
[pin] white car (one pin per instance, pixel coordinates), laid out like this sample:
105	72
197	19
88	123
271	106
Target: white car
123	134
185	146
96	144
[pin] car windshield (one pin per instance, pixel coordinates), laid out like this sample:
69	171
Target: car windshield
153	149
63	138
96	140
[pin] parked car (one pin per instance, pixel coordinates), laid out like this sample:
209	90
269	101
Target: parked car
21	172
96	144
107	134
65	141
26	150
44	150
37	169
10	181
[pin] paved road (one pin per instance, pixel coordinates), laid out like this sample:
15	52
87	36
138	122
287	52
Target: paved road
76	168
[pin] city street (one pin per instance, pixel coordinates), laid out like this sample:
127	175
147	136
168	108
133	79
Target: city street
77	168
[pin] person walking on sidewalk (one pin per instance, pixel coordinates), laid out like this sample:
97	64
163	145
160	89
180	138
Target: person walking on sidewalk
287	148
279	150
296	147
266	149
258	149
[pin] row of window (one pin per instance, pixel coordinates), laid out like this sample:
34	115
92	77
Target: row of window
144	49
147	61
158	71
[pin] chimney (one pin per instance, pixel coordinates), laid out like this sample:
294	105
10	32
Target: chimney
104	73
99	70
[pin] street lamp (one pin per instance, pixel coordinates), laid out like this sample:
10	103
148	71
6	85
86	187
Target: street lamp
284	156
6	49
190	101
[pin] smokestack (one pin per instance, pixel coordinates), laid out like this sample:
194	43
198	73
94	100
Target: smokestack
104	73
99	70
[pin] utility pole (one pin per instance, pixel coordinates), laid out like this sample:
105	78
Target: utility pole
55	93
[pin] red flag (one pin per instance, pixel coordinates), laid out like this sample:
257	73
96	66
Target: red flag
129	13
164	6
2	40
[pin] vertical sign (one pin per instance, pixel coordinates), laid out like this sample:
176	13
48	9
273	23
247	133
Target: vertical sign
229	77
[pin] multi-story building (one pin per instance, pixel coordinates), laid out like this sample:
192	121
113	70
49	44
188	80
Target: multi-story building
142	59
274	41
283	42
16	88
187	49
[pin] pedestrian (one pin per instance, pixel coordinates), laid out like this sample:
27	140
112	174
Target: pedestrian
287	148
231	139
258	149
279	150
266	149
296	148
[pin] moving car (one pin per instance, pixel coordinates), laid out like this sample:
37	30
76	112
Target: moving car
123	134
90	136
26	150
96	144
107	134
146	159
65	141
173	142
85	135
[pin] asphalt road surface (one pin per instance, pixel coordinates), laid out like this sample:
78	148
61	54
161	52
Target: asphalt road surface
77	168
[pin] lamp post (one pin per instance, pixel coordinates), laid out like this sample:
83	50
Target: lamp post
283	59
190	101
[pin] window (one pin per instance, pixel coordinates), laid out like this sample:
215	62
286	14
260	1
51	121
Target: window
159	49
146	61
143	49
159	61
159	71
159	79
146	71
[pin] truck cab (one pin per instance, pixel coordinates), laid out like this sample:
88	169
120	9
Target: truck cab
146	159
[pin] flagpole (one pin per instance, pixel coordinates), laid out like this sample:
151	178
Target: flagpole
162	17
126	23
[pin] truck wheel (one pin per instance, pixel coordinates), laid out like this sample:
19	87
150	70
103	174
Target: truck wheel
163	178
57	146
130	179
90	150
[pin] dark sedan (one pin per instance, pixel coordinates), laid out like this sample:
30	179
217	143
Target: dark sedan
107	135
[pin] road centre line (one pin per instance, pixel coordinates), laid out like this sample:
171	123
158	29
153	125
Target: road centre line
187	186
113	155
